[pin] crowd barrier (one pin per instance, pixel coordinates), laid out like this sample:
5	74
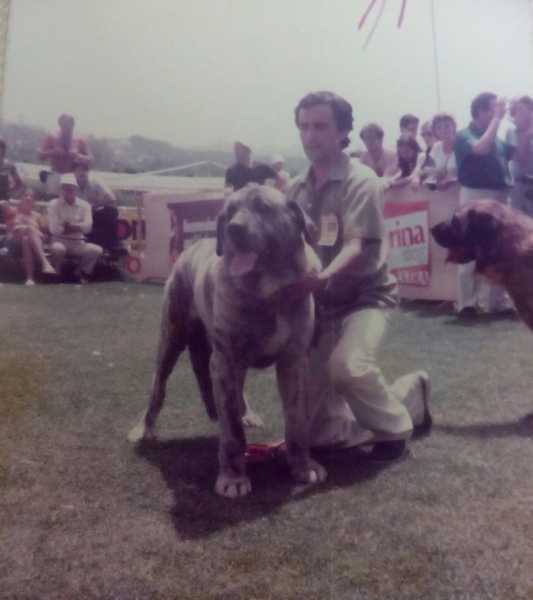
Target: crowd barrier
174	221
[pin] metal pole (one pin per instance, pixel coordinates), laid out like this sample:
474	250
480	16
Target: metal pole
435	57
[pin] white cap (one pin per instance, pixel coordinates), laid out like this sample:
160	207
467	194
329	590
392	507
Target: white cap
68	179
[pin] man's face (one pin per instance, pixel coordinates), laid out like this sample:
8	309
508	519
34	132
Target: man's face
319	133
82	177
69	192
485	116
66	125
444	129
372	142
242	153
409	131
522	115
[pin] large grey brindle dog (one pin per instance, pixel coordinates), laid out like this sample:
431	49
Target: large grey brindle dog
225	302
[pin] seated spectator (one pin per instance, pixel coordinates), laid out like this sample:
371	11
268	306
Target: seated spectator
10	180
277	162
104	231
409	126
381	160
246	171
429	139
409	164
444	127
25	237
69	220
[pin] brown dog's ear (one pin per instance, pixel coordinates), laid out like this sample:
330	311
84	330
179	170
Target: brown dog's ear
304	222
221	231
482	227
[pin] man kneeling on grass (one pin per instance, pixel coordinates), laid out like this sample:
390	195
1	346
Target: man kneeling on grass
69	220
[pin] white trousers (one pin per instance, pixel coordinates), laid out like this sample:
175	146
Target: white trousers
349	401
469	288
87	253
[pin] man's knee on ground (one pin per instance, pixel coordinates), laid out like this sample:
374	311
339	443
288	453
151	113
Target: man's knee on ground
346	370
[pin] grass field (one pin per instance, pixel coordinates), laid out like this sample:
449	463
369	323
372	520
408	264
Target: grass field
86	515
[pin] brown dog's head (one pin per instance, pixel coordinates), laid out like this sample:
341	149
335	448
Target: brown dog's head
258	228
471	231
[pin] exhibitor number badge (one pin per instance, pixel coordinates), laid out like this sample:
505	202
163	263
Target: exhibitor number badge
329	230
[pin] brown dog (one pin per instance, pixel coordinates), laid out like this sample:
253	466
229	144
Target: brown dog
224	302
500	240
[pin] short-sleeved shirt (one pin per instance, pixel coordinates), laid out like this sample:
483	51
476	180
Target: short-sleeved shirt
519	169
94	192
7	172
444	163
352	197
239	175
476	171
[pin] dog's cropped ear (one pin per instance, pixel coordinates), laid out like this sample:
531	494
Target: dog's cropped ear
482	227
221	232
304	222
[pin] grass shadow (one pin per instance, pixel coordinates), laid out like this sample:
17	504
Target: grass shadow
523	427
189	468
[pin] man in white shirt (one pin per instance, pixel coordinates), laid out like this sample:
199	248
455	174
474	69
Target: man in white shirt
69	220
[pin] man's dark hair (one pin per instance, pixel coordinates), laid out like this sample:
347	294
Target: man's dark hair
481	102
407	120
341	109
372	129
3	145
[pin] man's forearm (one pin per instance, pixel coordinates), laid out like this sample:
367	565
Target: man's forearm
344	261
486	141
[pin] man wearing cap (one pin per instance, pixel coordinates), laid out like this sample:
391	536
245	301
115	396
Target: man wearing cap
69	220
63	150
246	171
277	162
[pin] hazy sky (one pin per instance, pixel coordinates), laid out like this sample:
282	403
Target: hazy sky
197	72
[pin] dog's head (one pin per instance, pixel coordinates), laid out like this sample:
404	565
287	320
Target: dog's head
257	228
472	230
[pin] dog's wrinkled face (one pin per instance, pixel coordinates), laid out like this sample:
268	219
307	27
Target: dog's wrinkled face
257	228
471	230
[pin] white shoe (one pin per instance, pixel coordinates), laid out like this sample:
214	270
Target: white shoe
29	282
48	269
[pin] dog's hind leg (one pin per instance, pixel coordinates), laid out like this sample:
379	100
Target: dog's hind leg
200	352
172	342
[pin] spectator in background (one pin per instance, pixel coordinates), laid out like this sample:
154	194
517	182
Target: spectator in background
246	171
409	126
277	162
428	136
10	180
381	160
25	237
69	220
444	128
63	150
483	173
409	163
521	111
104	230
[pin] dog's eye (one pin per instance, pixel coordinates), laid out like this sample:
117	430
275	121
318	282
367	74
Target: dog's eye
260	206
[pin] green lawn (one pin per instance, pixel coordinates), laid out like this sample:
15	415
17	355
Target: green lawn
86	515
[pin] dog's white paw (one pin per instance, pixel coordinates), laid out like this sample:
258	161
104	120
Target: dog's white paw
232	487
252	419
141	432
309	472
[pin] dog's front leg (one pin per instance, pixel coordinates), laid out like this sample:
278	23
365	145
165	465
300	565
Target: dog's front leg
228	383
292	376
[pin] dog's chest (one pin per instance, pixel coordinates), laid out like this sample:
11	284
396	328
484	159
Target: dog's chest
262	338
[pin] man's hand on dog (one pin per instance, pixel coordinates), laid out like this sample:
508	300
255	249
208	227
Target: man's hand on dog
311	283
